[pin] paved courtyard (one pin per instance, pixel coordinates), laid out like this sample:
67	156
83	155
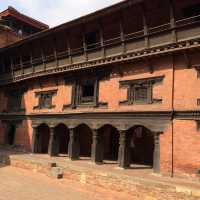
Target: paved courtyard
19	184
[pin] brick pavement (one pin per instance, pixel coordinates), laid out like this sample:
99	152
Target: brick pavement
89	181
19	184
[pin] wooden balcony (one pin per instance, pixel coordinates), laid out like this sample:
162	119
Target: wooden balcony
107	51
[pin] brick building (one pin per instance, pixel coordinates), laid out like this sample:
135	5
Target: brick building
15	26
118	84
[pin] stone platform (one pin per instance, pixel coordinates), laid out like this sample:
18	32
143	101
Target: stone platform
108	176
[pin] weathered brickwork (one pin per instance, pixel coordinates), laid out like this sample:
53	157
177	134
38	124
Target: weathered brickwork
185	136
138	100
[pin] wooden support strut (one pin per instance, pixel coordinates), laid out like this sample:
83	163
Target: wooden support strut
43	58
172	21
101	39
21	64
11	65
69	48
84	43
31	61
122	36
146	36
55	51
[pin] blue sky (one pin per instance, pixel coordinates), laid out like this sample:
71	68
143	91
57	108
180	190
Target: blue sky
55	12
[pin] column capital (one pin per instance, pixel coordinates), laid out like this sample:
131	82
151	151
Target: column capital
122	131
34	126
52	128
95	131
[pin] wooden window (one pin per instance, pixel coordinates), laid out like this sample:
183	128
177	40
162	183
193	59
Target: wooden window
45	99
85	89
140	93
87	92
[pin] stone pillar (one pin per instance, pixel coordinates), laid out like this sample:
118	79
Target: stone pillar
124	150
156	154
73	147
97	148
34	146
52	143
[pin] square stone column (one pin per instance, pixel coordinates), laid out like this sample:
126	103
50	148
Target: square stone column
74	146
34	145
97	147
52	143
124	150
156	153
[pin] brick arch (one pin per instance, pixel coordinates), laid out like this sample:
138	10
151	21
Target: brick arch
141	144
61	138
43	136
110	141
107	124
85	139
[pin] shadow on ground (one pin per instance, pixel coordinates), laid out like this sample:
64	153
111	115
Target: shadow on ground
6	151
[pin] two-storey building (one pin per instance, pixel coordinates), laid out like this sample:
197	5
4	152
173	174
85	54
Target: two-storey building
118	84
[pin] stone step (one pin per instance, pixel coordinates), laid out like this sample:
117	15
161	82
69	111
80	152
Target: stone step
56	172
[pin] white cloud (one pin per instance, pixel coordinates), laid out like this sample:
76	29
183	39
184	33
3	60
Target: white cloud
55	12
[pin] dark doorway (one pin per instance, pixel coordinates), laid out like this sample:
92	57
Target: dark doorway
110	142
62	139
85	140
11	134
43	138
141	146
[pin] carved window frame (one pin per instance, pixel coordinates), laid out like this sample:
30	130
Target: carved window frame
41	103
132	85
76	84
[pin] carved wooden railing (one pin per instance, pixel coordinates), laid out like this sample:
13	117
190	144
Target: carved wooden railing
183	30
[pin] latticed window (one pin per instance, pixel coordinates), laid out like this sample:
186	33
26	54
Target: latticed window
140	93
45	99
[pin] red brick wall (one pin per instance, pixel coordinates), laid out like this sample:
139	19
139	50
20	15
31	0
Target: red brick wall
186	138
